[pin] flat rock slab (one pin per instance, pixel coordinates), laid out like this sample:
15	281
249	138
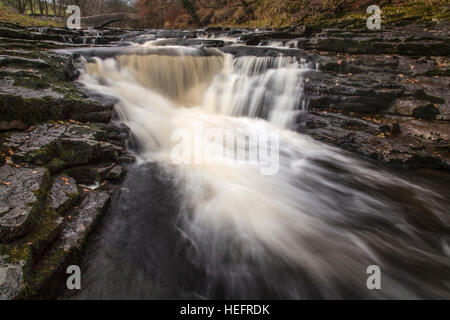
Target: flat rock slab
116	174
11	281
421	145
84	220
6	61
63	193
60	145
19	198
7	87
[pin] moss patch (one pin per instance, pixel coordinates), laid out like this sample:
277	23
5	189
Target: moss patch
268	16
8	15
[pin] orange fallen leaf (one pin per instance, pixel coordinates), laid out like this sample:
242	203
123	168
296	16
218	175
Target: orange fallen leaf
5	183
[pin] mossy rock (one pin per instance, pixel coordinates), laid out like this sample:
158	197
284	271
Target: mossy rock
426	112
35	110
28	110
23	194
47	279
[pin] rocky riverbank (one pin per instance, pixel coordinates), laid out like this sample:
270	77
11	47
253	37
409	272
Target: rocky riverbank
383	94
61	159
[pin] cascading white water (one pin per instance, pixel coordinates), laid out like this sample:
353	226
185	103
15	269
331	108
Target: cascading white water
241	223
268	87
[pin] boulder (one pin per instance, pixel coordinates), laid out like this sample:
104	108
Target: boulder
9	61
405	107
426	112
253	39
116	174
11	279
22	195
47	278
62	145
83	220
63	194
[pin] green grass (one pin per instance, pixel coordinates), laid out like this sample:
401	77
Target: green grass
50	11
8	15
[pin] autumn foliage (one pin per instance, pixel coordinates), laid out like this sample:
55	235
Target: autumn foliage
162	14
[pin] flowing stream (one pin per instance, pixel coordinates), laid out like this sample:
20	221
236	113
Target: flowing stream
308	230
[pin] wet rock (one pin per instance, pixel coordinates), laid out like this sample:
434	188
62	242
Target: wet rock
253	39
175	34
31	106
405	107
59	146
26	35
22	193
15	96
13	124
386	128
426	112
45	233
409	42
362	72
11	279
116	174
241	51
104	169
303	30
84	175
63	193
141	39
83	220
351	93
215	29
41	228
192	42
431	131
418	145
22	62
47	278
443	112
396	128
126	158
59	37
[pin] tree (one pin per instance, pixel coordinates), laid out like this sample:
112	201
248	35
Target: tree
189	6
159	13
19	5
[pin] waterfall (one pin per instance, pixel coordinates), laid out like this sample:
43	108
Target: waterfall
308	231
265	87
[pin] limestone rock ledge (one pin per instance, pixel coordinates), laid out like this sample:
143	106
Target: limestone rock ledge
61	159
